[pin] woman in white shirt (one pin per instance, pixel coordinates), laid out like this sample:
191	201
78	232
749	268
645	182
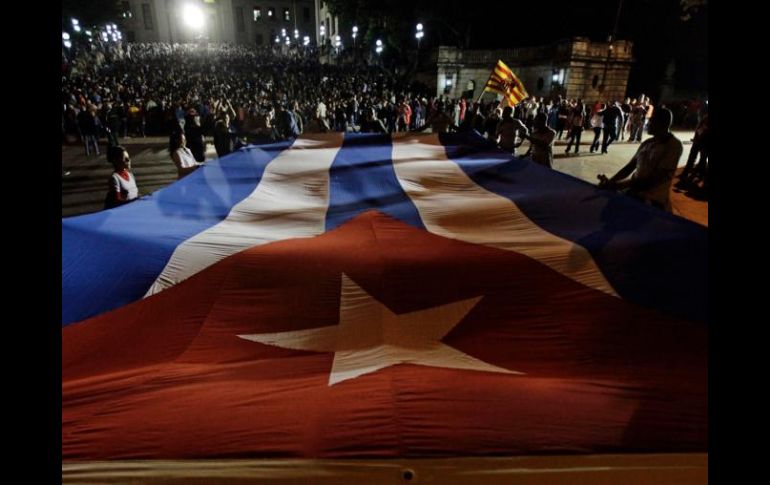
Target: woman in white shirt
182	156
122	184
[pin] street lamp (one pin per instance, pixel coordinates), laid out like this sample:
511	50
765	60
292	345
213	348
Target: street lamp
378	49
76	28
277	39
355	34
306	40
65	36
283	32
419	34
75	22
67	44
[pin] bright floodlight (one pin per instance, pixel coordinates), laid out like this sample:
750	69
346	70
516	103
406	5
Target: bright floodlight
67	44
277	40
65	36
109	27
288	41
76	28
306	40
419	26
193	16
355	29
379	43
283	32
296	34
88	33
75	22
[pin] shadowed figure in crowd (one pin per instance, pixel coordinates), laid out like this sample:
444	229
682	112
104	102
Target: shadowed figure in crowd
648	175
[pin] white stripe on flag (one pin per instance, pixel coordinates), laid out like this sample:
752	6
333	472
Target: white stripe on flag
290	201
452	205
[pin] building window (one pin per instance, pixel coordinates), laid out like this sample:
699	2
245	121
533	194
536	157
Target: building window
239	24
286	14
447	85
147	15
595	81
540	83
257	14
306	14
259	39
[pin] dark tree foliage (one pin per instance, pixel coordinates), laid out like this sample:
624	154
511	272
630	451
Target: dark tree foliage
91	12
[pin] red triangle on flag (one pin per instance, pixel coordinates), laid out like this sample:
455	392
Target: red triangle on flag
169	376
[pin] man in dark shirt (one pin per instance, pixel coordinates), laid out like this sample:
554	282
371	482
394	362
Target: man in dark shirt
611	117
194	134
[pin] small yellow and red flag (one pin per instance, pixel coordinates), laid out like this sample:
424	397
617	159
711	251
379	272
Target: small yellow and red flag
504	81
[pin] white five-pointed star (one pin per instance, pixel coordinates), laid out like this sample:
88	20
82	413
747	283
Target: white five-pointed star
370	337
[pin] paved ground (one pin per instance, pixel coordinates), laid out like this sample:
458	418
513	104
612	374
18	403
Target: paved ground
587	166
84	189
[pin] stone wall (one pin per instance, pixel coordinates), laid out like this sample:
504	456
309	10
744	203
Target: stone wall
577	68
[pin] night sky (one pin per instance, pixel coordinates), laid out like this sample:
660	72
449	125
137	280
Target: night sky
655	27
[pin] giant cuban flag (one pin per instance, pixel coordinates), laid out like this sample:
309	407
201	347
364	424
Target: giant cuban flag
369	296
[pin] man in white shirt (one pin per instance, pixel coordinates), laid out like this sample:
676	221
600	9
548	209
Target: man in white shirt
652	168
541	140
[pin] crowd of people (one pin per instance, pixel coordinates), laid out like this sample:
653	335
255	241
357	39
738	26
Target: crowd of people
243	94
248	93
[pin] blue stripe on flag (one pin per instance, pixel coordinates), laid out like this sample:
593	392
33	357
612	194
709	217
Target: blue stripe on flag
362	178
650	257
111	258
